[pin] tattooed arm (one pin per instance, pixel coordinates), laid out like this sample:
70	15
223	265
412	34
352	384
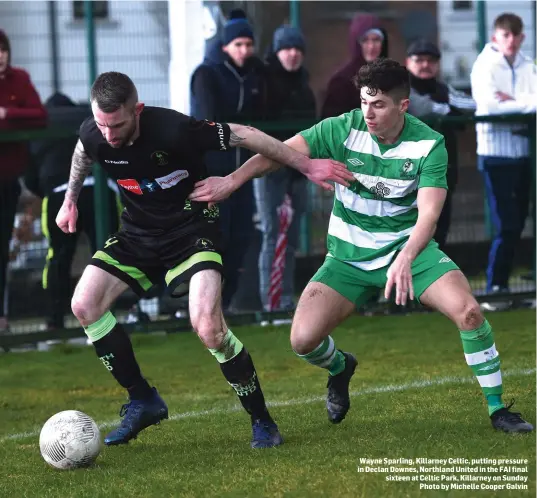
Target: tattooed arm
81	165
80	168
257	141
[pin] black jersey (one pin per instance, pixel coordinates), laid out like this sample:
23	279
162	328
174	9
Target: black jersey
157	172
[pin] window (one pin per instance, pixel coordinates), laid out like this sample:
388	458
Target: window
100	10
462	5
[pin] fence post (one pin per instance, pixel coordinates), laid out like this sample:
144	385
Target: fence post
101	197
481	42
294	13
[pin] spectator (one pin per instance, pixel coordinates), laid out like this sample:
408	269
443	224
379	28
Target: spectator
290	97
47	178
367	41
504	81
431	97
230	86
20	107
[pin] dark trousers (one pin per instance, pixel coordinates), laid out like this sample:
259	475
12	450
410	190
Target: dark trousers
237	226
507	187
9	196
62	247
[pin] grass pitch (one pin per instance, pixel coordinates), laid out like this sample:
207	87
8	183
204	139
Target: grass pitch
413	397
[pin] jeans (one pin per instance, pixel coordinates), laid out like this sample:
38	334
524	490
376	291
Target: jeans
269	192
507	187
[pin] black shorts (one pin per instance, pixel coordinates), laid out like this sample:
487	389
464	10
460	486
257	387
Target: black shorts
143	260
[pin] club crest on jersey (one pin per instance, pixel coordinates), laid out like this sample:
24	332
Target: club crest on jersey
408	169
160	157
204	244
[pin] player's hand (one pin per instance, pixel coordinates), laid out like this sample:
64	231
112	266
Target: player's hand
213	189
502	97
322	171
400	275
67	217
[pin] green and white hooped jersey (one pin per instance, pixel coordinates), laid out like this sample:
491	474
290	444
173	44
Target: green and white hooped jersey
373	218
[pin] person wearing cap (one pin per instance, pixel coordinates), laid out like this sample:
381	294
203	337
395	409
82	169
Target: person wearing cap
367	41
20	107
230	86
431	97
290	98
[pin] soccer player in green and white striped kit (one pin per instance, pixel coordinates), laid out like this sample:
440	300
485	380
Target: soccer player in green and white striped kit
380	235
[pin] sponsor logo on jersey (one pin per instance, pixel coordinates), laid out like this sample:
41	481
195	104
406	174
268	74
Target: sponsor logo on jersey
380	190
445	259
220	131
172	179
160	158
150	185
113	161
131	186
355	161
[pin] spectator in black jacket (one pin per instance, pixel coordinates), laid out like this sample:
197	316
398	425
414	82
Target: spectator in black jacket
429	97
230	87
290	97
47	178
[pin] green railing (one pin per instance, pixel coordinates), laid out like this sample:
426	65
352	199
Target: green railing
469	239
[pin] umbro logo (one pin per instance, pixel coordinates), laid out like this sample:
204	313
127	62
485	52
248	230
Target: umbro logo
355	162
445	259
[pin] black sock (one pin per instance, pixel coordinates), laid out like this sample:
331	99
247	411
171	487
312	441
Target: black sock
241	375
116	353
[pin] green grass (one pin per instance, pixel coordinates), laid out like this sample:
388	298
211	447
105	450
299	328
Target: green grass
208	454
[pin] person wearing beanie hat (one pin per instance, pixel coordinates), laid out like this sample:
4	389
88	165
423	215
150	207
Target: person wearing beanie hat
20	107
290	97
230	86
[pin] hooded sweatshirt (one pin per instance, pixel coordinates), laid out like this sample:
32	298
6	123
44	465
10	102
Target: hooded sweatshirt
492	73
23	110
341	95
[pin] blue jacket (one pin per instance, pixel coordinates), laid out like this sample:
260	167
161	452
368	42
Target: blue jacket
220	91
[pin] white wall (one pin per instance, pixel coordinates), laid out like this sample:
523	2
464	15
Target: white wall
458	35
134	40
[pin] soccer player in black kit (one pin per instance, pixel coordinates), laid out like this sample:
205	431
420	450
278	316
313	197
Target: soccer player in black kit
156	155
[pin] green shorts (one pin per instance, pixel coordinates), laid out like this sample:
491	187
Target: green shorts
358	285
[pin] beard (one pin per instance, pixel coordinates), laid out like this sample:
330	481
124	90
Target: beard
126	138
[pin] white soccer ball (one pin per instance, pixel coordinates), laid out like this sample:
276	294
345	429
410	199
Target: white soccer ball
70	439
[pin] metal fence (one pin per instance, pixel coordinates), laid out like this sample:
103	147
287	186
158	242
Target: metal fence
468	242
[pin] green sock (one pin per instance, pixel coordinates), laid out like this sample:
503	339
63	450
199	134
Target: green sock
484	360
326	356
230	348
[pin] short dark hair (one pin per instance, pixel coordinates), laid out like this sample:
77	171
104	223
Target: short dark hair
510	22
384	75
112	90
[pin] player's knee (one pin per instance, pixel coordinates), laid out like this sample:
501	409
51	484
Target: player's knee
82	311
302	342
209	330
471	317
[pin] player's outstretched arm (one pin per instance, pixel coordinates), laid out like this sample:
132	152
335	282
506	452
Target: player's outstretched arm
81	165
219	188
319	171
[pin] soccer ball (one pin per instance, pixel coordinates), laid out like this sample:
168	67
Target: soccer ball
70	439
